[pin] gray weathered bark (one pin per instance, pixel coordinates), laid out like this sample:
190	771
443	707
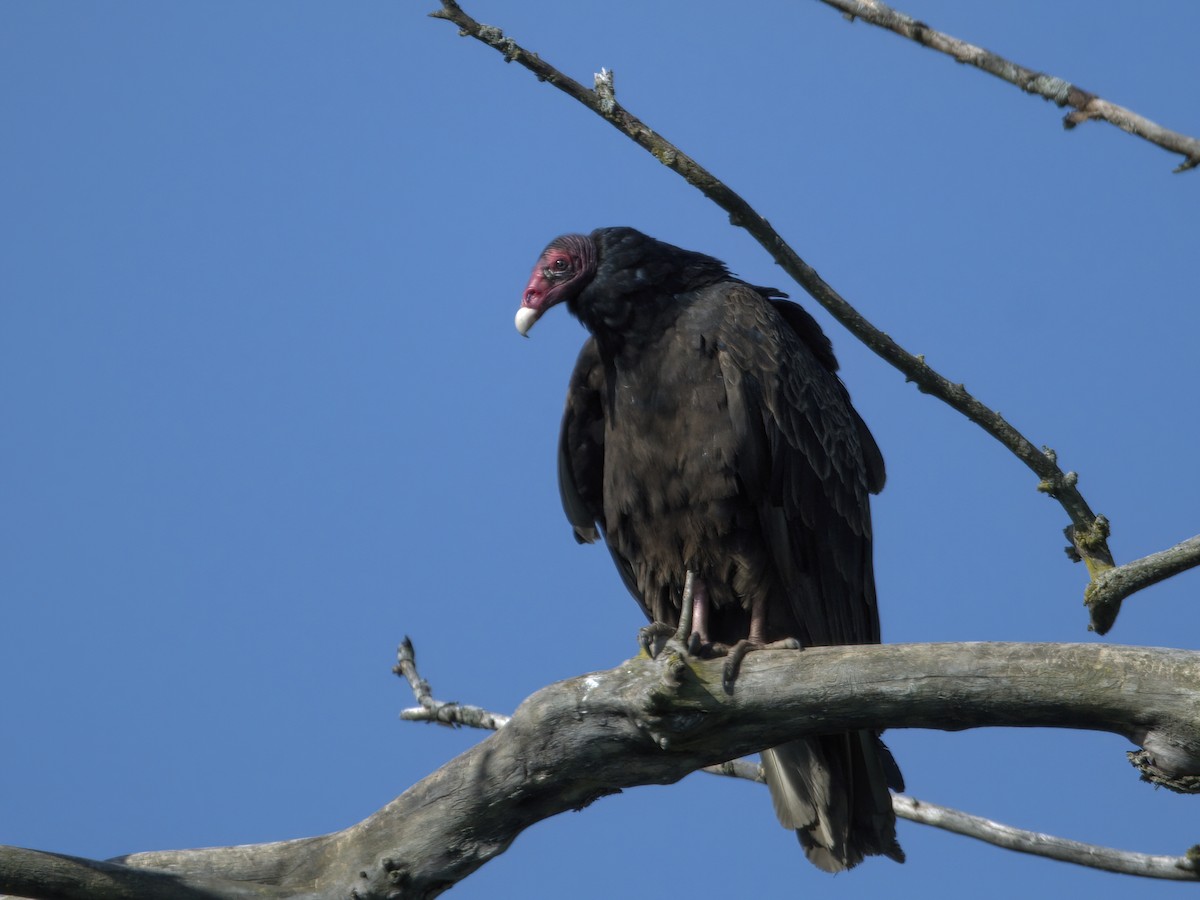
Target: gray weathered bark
648	722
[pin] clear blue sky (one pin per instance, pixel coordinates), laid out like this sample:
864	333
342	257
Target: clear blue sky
265	412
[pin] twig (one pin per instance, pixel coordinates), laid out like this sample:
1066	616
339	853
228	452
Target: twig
406	665
1087	533
1085	104
1178	868
439	711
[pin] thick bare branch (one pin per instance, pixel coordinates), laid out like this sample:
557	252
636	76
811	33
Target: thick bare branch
1085	104
55	876
1087	532
1179	868
654	721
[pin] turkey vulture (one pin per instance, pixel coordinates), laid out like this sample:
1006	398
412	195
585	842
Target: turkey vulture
706	431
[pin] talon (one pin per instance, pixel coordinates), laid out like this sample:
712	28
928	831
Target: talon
653	638
733	664
737	653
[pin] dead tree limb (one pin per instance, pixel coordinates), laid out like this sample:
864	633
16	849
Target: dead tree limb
652	722
1114	585
1109	859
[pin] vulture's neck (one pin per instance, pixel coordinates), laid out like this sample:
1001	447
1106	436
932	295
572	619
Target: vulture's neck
623	322
625	311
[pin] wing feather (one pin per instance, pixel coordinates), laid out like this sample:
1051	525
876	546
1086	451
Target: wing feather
581	458
581	447
814	464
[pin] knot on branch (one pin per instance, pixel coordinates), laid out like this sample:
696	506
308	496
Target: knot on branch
920	32
919	372
389	878
1147	764
666	155
494	37
1090	546
1055	484
1094	539
606	91
678	704
1054	89
1087	106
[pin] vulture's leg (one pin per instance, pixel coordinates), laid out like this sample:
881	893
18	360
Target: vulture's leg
756	641
687	608
693	622
700	608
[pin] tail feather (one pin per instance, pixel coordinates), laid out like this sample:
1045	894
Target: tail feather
833	792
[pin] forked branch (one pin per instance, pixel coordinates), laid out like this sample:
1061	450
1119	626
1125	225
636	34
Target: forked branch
652	722
1175	868
1114	585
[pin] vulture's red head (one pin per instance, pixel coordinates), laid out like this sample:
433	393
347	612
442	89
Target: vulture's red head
564	269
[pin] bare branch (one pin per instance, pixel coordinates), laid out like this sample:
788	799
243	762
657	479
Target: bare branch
406	665
1086	105
1087	533
1093	856
1180	868
56	876
1115	585
654	721
1177	868
439	711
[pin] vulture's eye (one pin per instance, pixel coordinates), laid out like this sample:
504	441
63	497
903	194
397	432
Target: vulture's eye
560	265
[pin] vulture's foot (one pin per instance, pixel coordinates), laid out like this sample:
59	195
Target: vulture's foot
735	654
653	638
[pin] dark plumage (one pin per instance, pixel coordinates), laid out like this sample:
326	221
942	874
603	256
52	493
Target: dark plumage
706	430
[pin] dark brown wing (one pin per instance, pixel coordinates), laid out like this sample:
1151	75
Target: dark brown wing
810	463
581	446
814	338
812	484
737	451
581	457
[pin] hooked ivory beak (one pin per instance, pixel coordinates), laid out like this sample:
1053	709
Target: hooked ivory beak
526	316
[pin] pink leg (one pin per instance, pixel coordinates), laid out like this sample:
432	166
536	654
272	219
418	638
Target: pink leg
758	621
756	640
700	611
693	619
